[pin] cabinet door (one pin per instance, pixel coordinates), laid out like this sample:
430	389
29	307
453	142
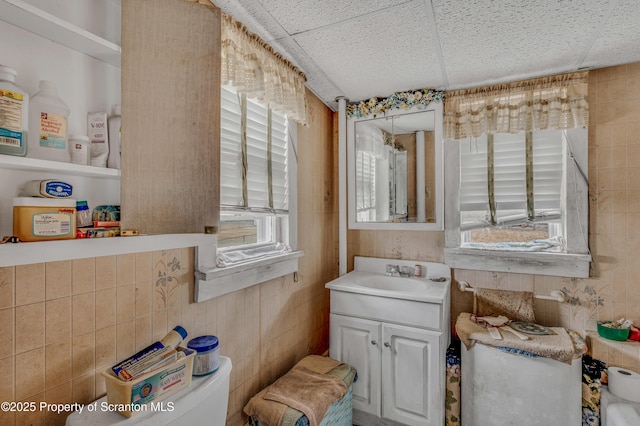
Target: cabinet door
411	376
357	342
170	116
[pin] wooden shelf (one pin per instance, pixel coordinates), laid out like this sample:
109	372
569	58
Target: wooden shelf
34	164
37	21
51	251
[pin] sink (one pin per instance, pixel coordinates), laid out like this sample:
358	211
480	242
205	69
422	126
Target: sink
368	277
378	284
383	282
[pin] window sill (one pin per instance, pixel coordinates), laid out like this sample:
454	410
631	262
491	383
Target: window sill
537	263
214	282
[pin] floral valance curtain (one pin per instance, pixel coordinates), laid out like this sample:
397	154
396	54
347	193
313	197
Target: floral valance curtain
419	98
558	102
255	69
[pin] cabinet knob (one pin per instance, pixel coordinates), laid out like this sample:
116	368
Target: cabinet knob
373	342
387	345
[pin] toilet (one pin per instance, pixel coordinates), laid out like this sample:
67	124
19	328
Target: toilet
203	402
617	411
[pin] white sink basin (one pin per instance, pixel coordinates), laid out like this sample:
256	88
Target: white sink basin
376	284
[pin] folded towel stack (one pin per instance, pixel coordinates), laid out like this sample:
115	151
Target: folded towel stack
308	389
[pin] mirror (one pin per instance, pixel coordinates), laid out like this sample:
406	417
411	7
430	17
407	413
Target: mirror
395	170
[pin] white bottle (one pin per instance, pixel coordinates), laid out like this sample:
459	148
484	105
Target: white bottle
14	111
113	162
48	115
98	138
79	149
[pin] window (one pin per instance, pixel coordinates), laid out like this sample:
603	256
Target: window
516	184
255	180
519	203
511	190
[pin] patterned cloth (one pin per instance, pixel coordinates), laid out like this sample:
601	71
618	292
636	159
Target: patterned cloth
452	400
593	376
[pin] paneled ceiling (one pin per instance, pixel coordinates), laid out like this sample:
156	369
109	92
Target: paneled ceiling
365	48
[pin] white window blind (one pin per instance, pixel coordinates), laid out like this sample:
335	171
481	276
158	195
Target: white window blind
366	178
509	173
264	173
230	150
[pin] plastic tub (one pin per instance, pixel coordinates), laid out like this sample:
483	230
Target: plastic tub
130	397
43	219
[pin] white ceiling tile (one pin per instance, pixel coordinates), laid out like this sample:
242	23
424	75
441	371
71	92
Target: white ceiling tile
361	49
304	15
376	54
317	80
253	15
485	41
619	40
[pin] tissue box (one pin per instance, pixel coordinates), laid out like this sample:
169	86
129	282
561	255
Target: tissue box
128	397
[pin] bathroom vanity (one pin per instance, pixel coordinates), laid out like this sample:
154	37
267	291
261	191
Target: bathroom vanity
395	331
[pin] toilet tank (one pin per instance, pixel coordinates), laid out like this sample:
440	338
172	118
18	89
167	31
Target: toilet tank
617	411
203	402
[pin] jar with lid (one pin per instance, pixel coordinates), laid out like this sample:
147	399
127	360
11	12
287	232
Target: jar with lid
14	114
79	149
207	358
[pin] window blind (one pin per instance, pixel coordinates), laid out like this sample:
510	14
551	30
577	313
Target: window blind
263	157
366	178
509	177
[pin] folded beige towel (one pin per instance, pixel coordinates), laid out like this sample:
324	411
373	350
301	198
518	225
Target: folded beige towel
515	305
559	346
307	391
318	363
275	413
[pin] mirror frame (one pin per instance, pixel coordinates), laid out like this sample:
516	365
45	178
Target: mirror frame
438	225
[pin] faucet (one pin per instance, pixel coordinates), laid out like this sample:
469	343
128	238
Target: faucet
392	271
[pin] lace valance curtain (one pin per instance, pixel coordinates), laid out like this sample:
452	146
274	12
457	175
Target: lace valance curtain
255	69
558	102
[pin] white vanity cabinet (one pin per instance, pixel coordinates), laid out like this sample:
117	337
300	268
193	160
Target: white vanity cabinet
395	332
398	368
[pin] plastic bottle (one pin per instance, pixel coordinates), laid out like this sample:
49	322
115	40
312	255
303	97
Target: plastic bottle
79	149
174	337
48	138
147	357
98	138
113	162
417	270
14	114
83	214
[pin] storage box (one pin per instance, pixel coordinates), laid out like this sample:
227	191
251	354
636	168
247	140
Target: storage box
153	386
43	219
